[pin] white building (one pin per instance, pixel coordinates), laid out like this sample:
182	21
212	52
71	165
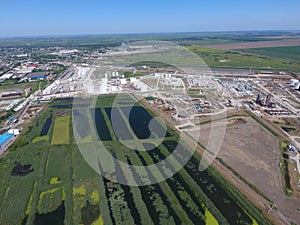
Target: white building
123	81
14	131
132	79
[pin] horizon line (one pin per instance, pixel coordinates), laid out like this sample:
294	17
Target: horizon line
144	33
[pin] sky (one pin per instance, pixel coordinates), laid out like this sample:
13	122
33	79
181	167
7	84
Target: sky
71	17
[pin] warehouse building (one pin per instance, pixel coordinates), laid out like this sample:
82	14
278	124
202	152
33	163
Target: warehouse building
5	138
38	76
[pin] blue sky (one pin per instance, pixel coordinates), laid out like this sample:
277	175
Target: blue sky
64	17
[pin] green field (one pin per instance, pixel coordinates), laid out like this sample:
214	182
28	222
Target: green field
59	183
11	85
61	131
210	41
234	59
106	41
40	138
288	53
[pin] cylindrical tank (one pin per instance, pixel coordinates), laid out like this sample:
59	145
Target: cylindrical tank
293	81
297	85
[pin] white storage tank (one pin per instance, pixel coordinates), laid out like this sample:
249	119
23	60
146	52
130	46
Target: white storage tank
297	85
293	81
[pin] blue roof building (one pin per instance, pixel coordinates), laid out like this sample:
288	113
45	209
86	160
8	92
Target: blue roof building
10	119
4	138
38	75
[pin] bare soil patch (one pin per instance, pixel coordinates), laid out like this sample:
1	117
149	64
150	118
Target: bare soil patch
254	153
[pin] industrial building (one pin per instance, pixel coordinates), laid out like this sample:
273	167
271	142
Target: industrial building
123	81
11	94
268	100
259	98
293	81
10	120
25	70
295	84
6	76
38	75
277	112
15	132
5	138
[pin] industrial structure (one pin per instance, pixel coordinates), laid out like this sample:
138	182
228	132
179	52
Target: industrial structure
268	100
38	76
259	98
5	138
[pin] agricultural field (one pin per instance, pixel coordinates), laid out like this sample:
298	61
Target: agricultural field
44	182
288	53
12	85
258	44
235	59
209	41
61	131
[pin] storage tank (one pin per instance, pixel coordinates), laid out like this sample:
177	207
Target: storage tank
293	81
297	85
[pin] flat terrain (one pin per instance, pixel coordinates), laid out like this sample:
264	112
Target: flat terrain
52	183
255	154
288	53
61	130
251	150
215	58
258	44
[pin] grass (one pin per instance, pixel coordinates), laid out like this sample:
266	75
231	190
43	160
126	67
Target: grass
99	221
40	138
285	171
211	41
81	190
48	191
13	86
105	101
238	60
61	173
95	196
128	74
87	139
290	53
61	131
210	219
30	200
50	200
55	180
152	64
